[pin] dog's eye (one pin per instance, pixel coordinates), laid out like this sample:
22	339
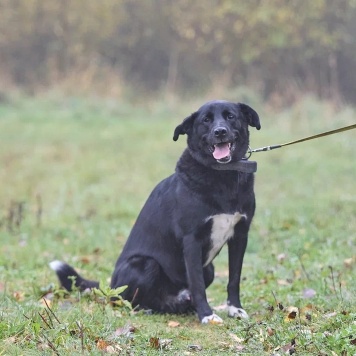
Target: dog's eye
230	116
206	119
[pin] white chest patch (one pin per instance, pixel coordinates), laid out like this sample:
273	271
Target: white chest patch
222	230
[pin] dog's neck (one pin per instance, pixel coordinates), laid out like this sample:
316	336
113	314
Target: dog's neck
243	165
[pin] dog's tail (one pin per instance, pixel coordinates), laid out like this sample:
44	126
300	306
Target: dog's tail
68	277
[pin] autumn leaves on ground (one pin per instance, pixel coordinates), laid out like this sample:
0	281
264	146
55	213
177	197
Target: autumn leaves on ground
74	174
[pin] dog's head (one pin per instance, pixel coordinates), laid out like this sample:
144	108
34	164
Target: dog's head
218	131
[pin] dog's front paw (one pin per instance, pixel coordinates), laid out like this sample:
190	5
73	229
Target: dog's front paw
234	312
212	319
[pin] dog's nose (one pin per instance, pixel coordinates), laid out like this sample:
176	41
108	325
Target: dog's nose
220	131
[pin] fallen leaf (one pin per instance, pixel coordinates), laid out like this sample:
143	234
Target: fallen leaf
283	282
164	343
125	331
224	345
173	324
85	260
195	347
270	308
270	331
297	274
97	250
348	262
330	315
10	340
309	293
307	309
281	257
157	343
19	296
110	349
289	349
154	342
236	338
102	344
308	316
292	313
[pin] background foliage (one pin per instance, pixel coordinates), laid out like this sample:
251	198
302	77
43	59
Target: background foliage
272	46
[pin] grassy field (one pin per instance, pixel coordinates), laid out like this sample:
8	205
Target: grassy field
74	174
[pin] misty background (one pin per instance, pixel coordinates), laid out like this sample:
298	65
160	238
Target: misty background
278	49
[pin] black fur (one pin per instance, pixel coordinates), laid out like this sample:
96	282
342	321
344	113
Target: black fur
164	261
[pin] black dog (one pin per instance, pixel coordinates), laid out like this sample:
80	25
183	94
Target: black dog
167	260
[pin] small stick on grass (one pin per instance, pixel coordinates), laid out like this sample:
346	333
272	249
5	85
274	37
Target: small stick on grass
39	210
10	217
51	345
54	315
134	296
340	291
333	278
279	305
303	268
81	335
44	320
49	318
274	296
20	214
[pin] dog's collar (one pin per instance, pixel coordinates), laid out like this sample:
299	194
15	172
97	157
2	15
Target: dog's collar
243	166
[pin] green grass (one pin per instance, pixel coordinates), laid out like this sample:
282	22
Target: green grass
74	174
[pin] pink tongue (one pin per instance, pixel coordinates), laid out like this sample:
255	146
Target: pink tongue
221	151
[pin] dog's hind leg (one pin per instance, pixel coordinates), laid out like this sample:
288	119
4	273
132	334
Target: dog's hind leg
149	287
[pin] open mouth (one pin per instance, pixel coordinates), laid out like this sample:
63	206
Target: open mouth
222	151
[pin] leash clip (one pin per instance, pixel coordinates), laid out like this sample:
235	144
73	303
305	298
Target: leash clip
248	154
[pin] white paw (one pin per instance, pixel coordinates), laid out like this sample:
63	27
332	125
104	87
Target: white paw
234	312
212	319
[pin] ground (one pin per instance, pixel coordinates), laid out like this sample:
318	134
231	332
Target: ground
74	173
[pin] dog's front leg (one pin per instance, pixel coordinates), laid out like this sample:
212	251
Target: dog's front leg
237	247
194	270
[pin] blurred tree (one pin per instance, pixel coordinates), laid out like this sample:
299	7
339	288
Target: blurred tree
272	46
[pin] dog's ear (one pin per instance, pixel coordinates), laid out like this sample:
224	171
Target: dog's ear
250	115
185	127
